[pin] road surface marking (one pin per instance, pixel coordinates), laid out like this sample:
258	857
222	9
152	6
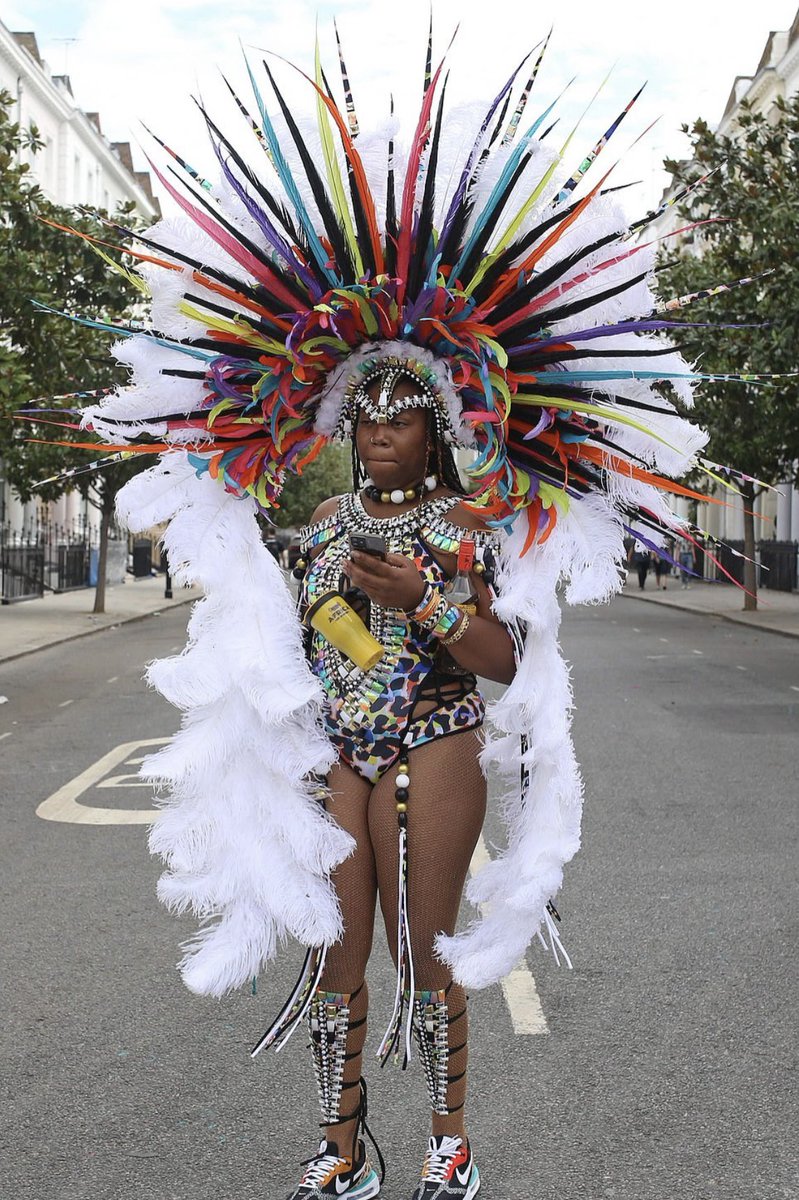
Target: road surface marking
652	657
663	639
738	667
794	689
636	629
113	679
699	652
64	703
5	735
521	994
3	699
64	805
115	781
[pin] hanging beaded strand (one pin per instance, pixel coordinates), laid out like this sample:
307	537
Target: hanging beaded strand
392	1038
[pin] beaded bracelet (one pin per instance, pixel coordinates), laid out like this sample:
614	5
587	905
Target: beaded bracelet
425	610
446	620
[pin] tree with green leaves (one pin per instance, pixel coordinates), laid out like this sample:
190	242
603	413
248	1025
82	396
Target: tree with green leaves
753	197
43	354
330	474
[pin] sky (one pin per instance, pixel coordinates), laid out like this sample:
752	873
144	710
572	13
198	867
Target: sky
142	61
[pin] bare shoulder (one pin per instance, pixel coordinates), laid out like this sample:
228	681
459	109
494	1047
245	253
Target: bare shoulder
326	509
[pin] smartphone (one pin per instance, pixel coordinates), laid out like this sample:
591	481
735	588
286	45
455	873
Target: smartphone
369	543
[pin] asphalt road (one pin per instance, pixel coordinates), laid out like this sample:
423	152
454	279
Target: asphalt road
668	1067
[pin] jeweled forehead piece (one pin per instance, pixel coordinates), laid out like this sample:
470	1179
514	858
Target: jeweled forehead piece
385	406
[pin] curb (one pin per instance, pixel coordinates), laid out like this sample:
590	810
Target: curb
718	616
74	637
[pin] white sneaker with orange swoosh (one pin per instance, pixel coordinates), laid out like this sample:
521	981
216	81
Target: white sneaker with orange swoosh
449	1171
329	1174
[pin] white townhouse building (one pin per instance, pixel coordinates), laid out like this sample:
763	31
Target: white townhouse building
776	75
77	164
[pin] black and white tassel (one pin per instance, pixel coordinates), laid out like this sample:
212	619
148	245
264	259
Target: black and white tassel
298	1003
403	1005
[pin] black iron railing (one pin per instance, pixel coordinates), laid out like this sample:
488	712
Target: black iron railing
43	557
777	564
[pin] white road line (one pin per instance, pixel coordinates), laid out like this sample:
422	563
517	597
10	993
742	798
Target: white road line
65	804
521	994
699	652
64	703
794	689
5	735
738	667
652	657
663	639
636	629
113	679
3	699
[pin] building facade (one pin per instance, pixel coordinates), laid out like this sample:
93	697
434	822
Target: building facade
77	164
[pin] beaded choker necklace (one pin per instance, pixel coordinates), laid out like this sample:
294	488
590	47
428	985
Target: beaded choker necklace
400	495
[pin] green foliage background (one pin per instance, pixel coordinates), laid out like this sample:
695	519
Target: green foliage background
43	354
753	194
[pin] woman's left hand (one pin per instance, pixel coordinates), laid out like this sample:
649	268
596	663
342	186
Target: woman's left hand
392	583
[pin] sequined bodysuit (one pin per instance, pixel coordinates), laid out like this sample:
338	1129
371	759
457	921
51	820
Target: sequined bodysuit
416	692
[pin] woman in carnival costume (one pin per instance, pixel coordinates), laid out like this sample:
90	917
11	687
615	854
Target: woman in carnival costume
455	292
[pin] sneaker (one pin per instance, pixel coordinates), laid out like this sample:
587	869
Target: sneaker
329	1173
449	1170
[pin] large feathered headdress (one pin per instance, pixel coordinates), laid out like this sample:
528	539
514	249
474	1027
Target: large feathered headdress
479	256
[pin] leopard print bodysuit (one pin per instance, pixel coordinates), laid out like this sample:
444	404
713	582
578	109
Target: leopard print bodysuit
416	692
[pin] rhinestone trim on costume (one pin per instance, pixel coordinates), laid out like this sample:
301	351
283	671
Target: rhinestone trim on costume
351	691
328	1018
430	1026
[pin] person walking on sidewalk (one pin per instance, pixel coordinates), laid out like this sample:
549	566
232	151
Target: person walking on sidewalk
640	558
687	559
662	566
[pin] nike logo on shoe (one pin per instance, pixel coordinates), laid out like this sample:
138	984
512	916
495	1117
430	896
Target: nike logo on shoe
463	1174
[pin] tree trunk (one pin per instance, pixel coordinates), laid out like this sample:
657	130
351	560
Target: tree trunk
750	570
105	522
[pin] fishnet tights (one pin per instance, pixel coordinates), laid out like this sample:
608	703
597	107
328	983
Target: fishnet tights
445	815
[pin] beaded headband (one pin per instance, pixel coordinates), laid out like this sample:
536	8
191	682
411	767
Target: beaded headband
390	371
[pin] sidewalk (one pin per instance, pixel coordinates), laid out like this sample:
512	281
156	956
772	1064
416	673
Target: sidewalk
777	612
33	624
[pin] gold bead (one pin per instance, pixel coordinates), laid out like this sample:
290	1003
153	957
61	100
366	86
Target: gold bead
410	494
385	497
479	568
301	564
401	806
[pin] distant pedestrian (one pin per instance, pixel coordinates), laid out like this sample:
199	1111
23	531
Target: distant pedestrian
662	569
640	558
687	559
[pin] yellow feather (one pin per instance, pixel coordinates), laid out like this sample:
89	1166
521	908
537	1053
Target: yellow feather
337	194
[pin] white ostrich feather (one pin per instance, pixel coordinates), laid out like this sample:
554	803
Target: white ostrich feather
247	843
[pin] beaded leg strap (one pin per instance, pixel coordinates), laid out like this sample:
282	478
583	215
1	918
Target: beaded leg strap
431	1025
329	1021
330	1026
